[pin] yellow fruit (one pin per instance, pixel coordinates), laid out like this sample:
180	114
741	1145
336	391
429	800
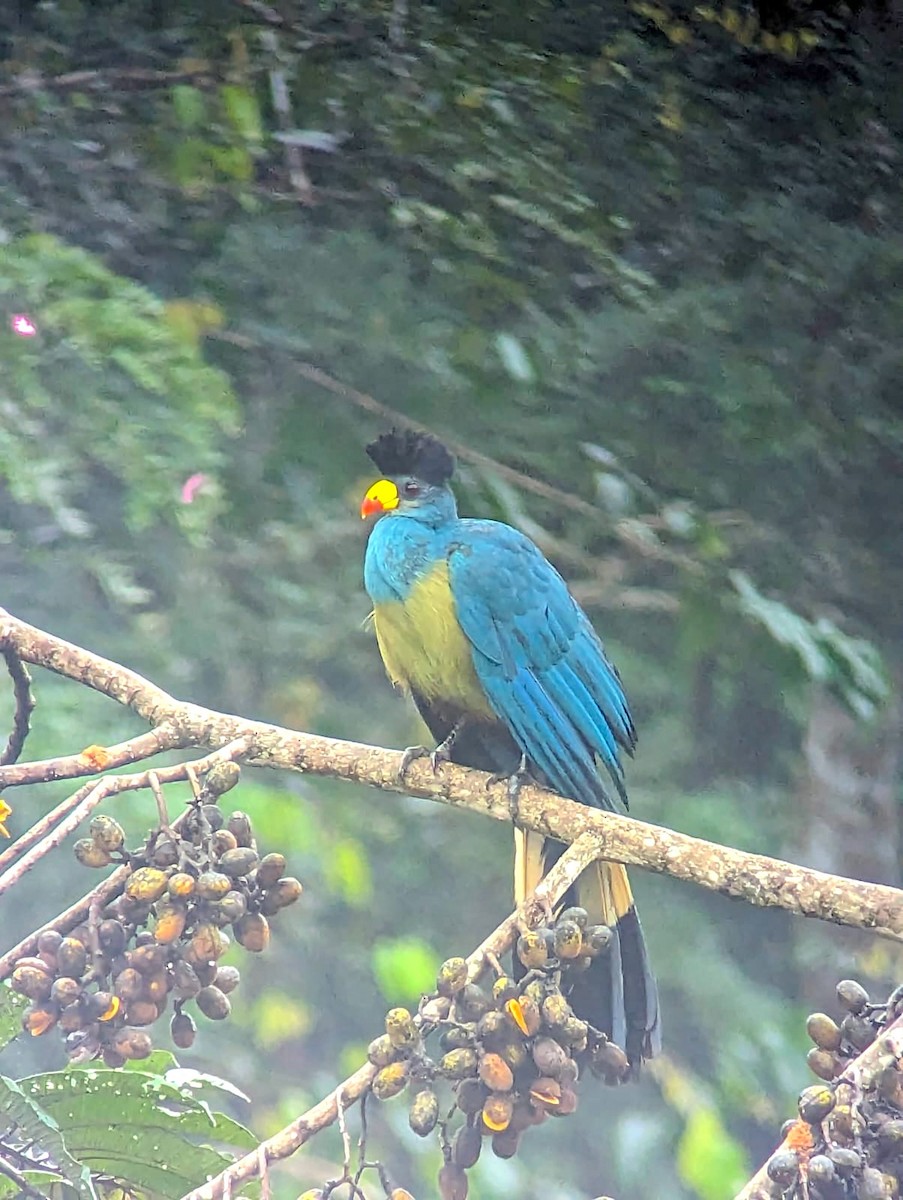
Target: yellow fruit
497	1112
389	1081
170	923
146	885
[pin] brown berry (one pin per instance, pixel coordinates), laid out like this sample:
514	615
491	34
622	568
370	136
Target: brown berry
549	1057
213	1003
467	1146
852	995
31	981
497	1112
212	885
106	833
283	893
815	1103
545	1092
532	949
504	1143
227	979
495	1073
424	1112
783	1167
270	870
149	959
183	1030
71	958
452	977
222	778
132	1043
568	940
381	1051
252	932
470	1095
458	1064
89	854
39	1018
824	1031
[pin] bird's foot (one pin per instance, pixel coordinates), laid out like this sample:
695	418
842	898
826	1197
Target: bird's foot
411	754
515	780
441	754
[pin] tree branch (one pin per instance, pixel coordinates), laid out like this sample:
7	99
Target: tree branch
24	706
754	878
284	1143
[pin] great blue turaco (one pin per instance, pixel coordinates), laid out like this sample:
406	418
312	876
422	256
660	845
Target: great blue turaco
509	675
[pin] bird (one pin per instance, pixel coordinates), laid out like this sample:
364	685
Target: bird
503	665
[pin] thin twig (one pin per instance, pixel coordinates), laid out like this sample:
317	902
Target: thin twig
333	1107
80	766
97	793
25	703
266	11
20	1181
282	107
41	828
134	77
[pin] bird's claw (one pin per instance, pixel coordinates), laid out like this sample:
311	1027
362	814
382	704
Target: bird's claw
441	754
411	754
515	781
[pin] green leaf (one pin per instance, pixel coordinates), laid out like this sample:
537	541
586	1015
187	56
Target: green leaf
243	111
12	1006
190	106
34	1122
138	1127
515	358
405	968
853	667
709	1159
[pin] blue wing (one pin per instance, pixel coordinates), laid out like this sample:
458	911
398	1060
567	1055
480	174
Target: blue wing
539	661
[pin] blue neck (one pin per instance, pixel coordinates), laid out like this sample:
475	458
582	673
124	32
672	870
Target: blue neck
404	544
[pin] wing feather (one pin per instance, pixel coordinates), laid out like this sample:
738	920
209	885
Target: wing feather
544	670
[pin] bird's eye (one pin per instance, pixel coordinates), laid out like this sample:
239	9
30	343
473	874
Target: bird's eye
411	488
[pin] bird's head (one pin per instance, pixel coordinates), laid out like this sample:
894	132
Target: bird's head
416	469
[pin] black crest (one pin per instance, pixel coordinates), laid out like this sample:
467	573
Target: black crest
406	452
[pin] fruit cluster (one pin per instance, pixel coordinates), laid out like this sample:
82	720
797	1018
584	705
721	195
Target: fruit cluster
162	937
512	1055
847	1143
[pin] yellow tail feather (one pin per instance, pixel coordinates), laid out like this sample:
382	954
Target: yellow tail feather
603	889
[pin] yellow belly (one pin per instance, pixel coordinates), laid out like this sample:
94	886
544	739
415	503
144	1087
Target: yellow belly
424	649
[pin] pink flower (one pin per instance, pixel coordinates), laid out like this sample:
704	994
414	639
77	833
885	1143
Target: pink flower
23	325
192	486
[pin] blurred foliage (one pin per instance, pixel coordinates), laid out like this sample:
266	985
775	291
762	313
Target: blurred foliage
646	256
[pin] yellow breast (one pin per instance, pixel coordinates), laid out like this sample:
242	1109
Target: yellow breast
423	647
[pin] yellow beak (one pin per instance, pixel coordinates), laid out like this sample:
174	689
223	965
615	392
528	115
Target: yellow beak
381	497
